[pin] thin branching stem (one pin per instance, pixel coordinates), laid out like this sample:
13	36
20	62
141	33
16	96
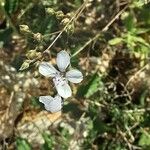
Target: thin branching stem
72	19
103	30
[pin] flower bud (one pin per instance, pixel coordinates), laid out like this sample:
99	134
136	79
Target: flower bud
59	14
69	15
65	21
38	37
70	29
24	29
50	11
25	65
32	54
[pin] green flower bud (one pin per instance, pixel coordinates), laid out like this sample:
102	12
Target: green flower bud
59	14
70	28
65	21
25	65
33	54
38	37
24	29
50	11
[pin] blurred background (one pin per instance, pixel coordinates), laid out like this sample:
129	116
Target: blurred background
109	42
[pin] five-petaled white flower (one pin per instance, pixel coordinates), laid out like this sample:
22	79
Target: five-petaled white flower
51	104
61	78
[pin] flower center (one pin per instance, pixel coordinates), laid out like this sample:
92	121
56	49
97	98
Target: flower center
59	79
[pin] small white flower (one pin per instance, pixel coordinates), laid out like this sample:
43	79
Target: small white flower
60	78
52	104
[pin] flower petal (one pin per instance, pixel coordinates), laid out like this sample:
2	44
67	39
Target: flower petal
62	87
51	104
46	69
74	76
62	60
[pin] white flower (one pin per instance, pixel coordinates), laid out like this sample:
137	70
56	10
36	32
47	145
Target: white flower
60	78
51	104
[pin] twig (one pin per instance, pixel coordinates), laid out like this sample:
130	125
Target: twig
123	135
46	35
103	30
136	74
113	20
9	104
76	132
75	16
132	139
142	110
30	5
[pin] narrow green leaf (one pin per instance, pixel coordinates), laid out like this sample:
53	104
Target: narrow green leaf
129	22
141	40
144	139
93	86
142	30
115	41
22	144
49	141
